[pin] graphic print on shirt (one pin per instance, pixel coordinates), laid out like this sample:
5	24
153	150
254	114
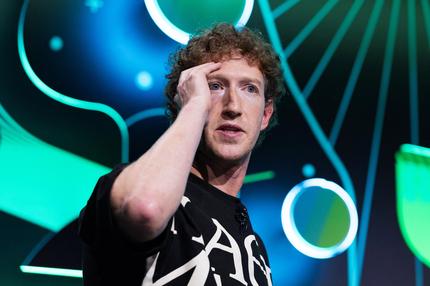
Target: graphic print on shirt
200	266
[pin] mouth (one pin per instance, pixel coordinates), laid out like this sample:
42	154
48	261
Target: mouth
230	130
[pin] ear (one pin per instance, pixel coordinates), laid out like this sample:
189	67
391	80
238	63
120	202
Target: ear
267	114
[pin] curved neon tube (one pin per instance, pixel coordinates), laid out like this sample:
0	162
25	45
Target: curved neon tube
179	35
67	100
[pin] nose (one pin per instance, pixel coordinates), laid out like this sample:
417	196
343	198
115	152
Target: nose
231	104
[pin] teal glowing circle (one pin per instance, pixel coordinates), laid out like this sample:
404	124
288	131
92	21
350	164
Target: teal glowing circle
144	80
56	43
308	170
178	19
319	218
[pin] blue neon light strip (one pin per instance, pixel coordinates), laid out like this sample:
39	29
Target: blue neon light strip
284	7
331	49
314	126
377	133
413	102
145	114
37	248
419	273
413	77
310	26
356	70
67	100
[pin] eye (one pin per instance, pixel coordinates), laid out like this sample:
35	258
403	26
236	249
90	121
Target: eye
251	88
215	86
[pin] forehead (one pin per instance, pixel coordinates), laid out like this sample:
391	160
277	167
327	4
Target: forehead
238	68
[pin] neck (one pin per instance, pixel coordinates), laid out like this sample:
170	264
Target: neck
227	177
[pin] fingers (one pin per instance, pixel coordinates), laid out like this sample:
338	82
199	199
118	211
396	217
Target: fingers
193	83
203	69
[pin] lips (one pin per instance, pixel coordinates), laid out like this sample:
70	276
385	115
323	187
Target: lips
230	132
230	128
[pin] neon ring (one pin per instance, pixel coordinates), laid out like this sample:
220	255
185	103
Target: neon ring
294	236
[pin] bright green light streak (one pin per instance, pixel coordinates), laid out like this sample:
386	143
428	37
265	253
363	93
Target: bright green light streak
356	70
40	183
426	10
93	106
315	128
415	150
284	7
377	132
413	78
331	49
257	177
51	271
310	26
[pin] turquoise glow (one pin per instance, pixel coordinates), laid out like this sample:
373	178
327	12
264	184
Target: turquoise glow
356	70
315	128
51	271
331	49
56	43
284	7
142	115
94	5
377	132
308	170
67	100
178	34
41	183
310	26
413	73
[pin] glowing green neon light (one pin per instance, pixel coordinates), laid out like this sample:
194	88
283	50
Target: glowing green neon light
310	26
331	49
41	183
51	271
314	126
377	132
257	177
67	100
356	70
413	199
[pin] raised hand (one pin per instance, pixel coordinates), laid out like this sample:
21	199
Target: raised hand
193	85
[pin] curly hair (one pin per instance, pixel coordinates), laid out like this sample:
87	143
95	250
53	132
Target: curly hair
222	42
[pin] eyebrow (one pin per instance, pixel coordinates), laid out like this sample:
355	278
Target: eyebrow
241	79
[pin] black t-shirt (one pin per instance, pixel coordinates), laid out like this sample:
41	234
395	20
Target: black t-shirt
208	241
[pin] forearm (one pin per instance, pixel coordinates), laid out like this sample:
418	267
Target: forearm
148	192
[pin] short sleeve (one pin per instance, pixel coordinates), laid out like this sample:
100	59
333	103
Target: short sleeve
97	226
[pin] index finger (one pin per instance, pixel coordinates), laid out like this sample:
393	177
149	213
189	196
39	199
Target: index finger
207	68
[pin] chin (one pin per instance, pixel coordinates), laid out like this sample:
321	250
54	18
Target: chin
231	153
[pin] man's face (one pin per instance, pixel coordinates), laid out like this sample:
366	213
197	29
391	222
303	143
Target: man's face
238	111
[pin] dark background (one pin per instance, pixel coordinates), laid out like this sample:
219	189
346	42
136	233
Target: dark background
104	50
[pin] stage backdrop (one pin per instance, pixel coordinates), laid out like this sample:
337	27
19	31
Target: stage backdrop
81	90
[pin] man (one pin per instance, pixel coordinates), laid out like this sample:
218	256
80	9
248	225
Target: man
173	217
